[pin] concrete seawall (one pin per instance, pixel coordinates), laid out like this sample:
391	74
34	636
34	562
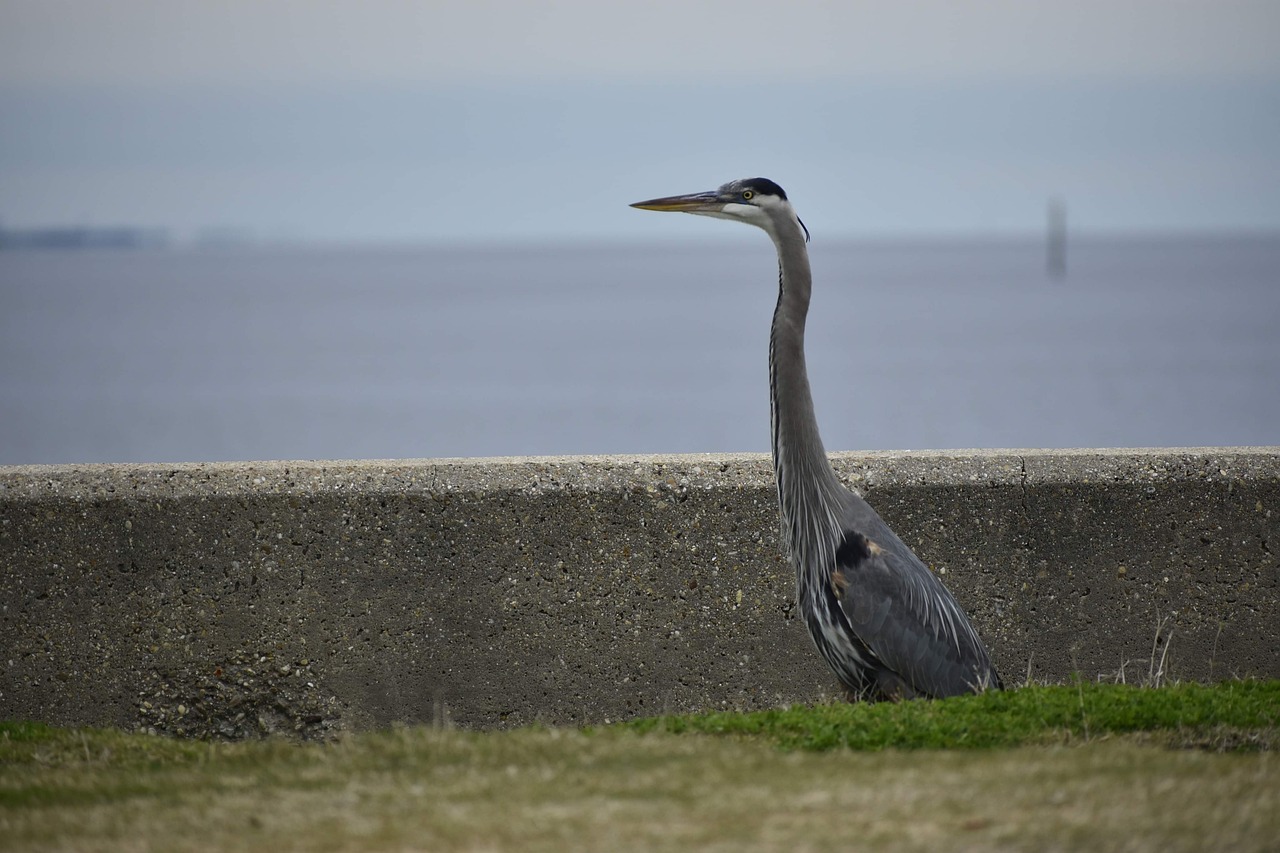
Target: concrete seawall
304	597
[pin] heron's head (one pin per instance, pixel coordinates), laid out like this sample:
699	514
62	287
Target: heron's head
757	201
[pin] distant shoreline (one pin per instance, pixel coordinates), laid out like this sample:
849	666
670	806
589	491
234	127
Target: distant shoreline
81	237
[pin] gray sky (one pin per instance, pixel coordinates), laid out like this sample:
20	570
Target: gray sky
482	120
165	42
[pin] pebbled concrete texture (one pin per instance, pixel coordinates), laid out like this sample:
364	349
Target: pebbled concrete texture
238	599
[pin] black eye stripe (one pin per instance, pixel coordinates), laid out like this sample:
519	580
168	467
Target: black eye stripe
761	186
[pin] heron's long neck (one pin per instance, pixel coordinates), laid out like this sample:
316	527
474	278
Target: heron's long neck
806	483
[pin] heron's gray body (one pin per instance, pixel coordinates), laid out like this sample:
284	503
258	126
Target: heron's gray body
884	623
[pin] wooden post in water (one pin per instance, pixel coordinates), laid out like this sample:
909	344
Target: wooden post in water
1056	243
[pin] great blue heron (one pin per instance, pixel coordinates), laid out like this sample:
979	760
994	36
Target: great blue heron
883	622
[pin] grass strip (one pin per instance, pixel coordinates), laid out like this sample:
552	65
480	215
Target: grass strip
1082	775
1237	715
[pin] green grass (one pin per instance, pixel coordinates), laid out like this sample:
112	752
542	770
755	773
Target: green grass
1232	715
1084	767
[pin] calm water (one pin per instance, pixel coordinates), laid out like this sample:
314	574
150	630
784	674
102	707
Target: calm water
325	353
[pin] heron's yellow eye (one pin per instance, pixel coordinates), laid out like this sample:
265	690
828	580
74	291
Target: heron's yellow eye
747	195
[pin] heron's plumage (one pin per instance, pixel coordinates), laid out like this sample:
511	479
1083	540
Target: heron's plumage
909	621
884	623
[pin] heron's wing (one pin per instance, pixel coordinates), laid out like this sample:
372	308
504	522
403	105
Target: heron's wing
905	616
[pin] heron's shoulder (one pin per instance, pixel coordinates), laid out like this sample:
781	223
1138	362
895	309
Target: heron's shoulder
871	552
865	533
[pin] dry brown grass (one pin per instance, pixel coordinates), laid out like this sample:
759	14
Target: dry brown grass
423	789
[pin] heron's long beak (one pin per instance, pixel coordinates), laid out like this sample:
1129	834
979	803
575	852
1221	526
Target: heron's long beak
708	202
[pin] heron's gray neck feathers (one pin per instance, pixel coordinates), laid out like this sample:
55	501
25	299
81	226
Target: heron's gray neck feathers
808	490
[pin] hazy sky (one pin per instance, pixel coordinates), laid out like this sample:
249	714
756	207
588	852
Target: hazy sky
480	120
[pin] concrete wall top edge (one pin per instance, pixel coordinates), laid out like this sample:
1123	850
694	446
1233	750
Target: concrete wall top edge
601	473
